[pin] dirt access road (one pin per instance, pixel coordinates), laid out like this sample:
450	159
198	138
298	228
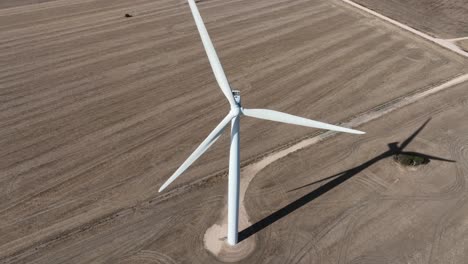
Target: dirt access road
439	18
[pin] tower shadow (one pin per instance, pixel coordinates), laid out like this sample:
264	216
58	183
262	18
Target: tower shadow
393	149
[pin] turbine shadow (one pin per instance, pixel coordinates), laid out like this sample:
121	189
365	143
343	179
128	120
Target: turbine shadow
337	179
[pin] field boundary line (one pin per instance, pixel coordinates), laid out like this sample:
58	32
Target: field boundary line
447	44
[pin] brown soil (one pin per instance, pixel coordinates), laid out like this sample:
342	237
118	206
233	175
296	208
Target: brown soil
342	201
440	18
463	44
97	110
16	3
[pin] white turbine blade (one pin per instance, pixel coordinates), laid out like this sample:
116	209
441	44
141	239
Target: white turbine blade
295	120
211	52
212	137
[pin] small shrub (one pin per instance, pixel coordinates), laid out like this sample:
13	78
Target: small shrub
410	160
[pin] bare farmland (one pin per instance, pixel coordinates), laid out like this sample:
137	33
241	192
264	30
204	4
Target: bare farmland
463	44
98	109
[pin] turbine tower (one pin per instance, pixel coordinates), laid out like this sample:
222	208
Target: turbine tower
233	116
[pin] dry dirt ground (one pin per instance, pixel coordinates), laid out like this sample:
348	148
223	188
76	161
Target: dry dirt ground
463	44
14	3
439	18
97	110
347	201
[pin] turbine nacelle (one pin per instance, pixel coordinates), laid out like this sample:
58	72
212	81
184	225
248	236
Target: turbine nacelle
236	95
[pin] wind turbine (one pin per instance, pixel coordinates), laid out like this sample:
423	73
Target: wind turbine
233	116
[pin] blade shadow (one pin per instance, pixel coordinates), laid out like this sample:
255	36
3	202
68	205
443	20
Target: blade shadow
410	138
429	157
318	181
286	210
335	180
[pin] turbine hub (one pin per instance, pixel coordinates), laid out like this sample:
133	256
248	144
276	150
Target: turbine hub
235	111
